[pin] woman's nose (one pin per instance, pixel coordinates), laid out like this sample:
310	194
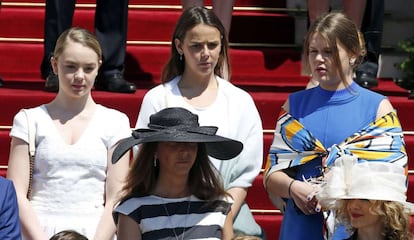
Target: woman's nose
79	74
352	204
205	51
319	57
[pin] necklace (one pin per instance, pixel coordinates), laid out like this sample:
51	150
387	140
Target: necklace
185	219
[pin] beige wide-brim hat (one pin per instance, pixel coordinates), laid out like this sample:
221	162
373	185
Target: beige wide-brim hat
350	179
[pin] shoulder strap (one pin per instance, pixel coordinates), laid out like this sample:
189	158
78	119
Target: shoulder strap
32	133
32	148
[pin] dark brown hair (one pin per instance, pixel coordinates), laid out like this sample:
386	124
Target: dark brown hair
68	235
190	18
203	180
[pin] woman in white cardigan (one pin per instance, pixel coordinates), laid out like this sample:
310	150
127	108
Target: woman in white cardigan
192	79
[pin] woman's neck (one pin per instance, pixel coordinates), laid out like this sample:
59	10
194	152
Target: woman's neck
172	187
198	92
73	105
65	109
371	233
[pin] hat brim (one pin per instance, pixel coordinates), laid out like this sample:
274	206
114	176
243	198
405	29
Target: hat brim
408	205
218	147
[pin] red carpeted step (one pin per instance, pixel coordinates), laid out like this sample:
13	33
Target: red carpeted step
257	196
149	25
270	223
265	67
410	192
404	111
409	147
5	147
237	3
28	23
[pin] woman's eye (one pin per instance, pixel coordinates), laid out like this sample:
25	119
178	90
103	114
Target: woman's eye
212	45
70	66
89	69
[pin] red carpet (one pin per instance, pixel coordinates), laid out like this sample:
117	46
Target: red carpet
268	67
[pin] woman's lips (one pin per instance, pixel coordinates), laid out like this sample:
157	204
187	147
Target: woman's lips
356	215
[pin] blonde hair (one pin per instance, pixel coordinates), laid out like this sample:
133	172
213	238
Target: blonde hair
77	35
396	218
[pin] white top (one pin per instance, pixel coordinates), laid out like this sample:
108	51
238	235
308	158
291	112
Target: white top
236	116
69	180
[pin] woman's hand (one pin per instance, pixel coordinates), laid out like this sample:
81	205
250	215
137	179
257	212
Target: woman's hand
303	196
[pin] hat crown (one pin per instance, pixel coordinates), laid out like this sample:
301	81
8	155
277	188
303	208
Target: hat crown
374	180
173	117
180	125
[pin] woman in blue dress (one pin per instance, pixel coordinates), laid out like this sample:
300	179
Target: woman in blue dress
323	118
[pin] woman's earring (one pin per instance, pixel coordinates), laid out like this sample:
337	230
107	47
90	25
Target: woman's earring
155	161
181	57
352	61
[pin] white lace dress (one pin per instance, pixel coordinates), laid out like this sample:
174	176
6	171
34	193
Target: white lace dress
69	180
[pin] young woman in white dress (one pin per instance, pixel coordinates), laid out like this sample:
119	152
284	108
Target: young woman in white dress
74	183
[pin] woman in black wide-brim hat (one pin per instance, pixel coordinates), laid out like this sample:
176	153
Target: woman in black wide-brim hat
172	189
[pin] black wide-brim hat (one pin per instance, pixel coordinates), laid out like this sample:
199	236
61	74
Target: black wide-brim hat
180	125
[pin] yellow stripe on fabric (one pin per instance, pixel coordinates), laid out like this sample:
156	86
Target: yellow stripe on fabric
390	119
292	129
308	158
374	155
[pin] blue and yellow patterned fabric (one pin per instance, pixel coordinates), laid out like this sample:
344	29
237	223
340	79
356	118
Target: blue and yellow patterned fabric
293	145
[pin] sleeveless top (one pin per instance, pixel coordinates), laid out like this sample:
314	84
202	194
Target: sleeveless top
331	116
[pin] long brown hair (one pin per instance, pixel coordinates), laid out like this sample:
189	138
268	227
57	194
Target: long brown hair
190	18
203	180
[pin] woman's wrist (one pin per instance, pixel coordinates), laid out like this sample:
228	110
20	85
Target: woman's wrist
290	188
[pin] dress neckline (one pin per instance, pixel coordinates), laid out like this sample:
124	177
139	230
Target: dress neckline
59	135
